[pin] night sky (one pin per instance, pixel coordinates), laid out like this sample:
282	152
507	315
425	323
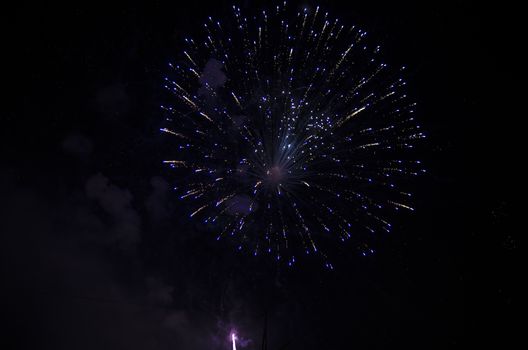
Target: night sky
97	253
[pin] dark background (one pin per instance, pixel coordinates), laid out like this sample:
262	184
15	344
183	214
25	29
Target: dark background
96	253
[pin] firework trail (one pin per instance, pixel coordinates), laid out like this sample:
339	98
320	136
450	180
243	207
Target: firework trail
290	133
233	339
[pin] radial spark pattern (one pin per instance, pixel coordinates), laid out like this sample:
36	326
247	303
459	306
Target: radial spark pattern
290	133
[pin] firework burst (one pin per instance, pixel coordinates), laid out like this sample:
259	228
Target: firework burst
290	133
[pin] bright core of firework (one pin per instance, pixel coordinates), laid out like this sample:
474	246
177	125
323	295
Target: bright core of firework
290	133
233	339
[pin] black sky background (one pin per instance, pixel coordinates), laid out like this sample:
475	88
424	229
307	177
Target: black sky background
97	253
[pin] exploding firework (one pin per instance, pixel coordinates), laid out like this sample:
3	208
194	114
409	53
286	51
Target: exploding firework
290	133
